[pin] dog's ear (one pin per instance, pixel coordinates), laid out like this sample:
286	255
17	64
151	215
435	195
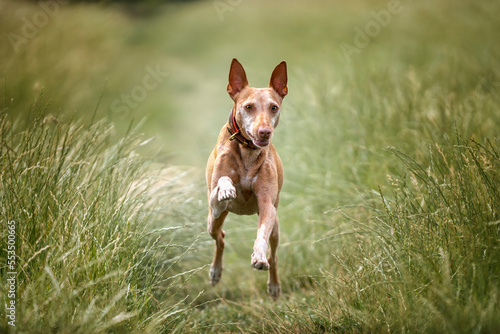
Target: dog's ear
237	78
279	79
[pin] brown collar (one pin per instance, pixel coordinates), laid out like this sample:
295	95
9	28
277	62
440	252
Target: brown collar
235	132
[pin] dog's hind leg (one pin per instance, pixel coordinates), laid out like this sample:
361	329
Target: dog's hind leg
273	283
216	232
218	199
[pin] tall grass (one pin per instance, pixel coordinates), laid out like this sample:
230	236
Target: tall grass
427	259
94	247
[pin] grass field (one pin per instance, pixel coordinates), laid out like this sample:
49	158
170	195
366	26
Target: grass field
389	137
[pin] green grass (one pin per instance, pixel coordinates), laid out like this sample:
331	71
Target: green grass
93	252
390	209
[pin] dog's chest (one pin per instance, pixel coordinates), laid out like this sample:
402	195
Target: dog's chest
245	202
246	187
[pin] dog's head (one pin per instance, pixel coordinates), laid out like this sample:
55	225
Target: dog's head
257	110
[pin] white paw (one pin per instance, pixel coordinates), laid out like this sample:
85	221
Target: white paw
226	189
259	261
215	275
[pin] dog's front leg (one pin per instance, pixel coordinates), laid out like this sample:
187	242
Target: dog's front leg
267	219
220	196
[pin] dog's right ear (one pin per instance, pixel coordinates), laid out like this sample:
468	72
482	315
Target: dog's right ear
237	78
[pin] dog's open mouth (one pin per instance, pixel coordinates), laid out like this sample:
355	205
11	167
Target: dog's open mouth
257	142
261	143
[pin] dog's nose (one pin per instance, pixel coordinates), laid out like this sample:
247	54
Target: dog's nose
265	133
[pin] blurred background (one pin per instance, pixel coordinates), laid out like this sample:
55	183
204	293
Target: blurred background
87	55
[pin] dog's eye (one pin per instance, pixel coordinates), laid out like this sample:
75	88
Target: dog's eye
274	108
248	106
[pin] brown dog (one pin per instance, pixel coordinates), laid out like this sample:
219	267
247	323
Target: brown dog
244	172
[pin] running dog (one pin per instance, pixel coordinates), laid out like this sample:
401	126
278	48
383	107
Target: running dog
244	172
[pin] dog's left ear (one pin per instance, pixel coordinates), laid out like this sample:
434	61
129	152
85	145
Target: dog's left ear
279	80
237	78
